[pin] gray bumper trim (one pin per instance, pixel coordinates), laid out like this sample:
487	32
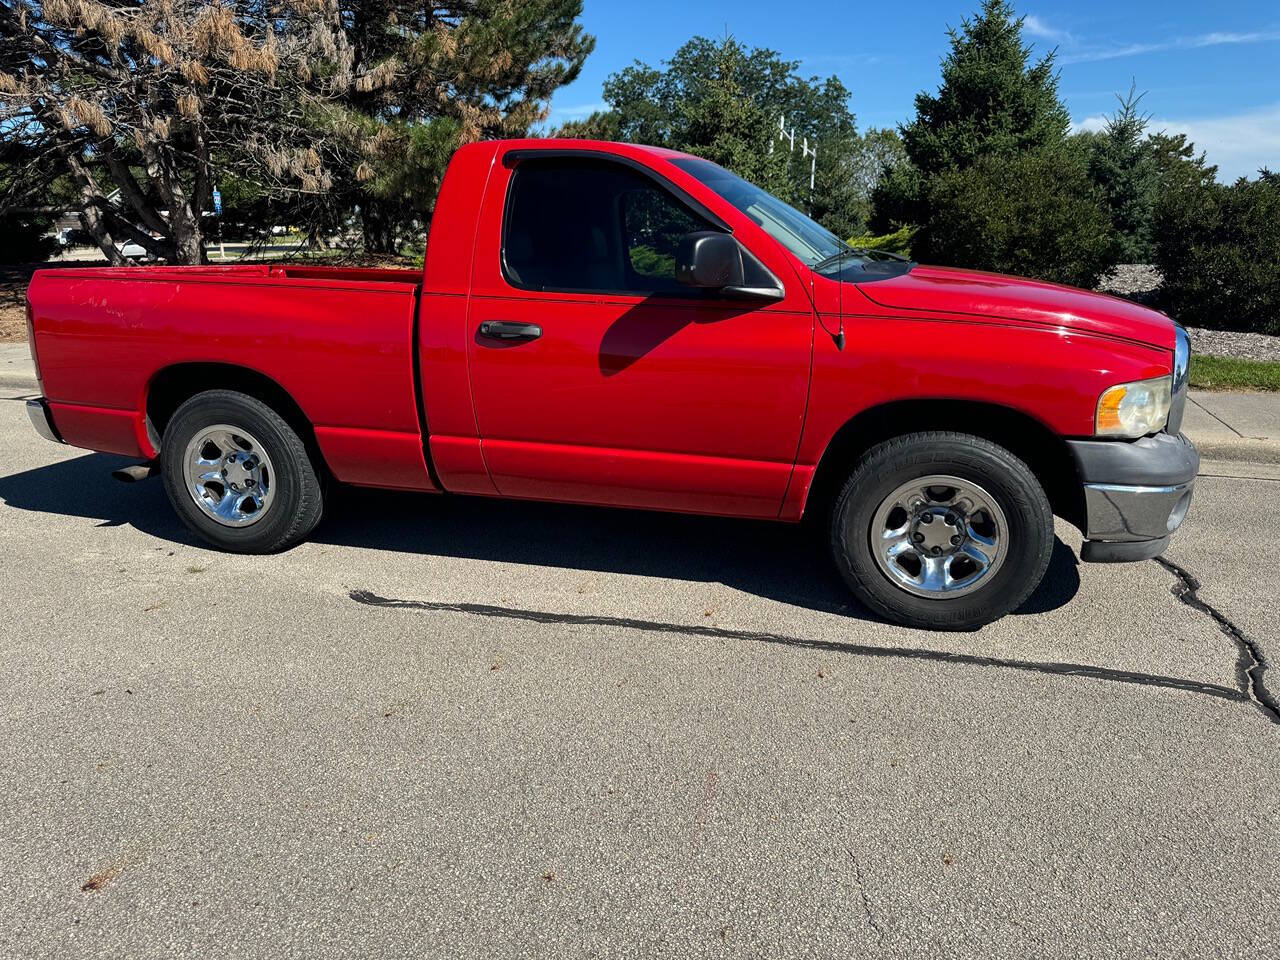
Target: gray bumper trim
42	420
1165	460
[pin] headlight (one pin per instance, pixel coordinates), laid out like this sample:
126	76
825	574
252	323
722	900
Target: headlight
1133	409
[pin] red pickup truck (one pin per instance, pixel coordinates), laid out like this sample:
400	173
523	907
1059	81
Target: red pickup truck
612	324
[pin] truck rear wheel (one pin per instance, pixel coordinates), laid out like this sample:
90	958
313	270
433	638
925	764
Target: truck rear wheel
942	530
238	475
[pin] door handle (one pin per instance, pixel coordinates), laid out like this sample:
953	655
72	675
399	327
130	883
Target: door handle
510	331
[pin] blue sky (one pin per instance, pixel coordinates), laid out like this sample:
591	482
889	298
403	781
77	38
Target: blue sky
1211	70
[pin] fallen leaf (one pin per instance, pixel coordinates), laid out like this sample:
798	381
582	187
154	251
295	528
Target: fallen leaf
100	879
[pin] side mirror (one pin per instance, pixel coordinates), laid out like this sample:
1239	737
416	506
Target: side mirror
709	259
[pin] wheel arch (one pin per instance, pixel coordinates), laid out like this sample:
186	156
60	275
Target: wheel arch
1046	453
172	386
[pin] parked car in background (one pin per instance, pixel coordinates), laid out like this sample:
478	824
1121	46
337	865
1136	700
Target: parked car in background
133	251
612	324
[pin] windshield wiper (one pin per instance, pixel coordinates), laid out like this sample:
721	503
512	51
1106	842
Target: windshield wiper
840	255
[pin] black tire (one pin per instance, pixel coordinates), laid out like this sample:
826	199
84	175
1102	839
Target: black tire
298	491
886	467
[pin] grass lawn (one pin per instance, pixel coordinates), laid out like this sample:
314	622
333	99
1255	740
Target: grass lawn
1227	373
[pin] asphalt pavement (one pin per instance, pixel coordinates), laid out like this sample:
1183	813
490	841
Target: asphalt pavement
465	728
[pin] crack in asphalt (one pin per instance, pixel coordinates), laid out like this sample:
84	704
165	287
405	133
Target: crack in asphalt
1219	691
1250	663
866	901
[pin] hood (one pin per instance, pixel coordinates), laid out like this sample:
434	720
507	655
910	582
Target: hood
997	297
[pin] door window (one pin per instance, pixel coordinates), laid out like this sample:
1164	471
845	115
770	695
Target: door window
590	225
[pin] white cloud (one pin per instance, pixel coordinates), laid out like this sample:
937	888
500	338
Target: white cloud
1177	43
1038	27
1238	143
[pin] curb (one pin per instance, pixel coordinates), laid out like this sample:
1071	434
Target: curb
1238	450
19	381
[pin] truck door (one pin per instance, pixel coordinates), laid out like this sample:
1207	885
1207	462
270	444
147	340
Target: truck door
596	377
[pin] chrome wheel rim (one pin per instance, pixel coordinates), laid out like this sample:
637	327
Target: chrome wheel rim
229	475
939	537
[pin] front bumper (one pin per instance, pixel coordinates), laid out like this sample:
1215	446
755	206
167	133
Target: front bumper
42	420
1136	494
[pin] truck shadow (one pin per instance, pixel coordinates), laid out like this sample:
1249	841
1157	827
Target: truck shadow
782	562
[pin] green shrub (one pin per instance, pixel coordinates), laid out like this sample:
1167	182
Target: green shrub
1033	214
1218	248
897	242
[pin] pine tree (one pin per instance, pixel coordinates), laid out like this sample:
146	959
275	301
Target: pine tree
1123	166
155	99
317	107
727	127
1178	166
428	77
989	157
992	98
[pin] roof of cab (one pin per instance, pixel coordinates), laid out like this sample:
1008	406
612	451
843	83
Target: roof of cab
591	146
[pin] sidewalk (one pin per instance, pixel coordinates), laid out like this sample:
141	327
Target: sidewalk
1238	427
16	369
1234	426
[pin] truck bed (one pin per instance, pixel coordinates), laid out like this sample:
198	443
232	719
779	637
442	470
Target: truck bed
339	341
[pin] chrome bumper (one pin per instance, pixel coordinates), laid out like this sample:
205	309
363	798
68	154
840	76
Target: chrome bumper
1135	494
42	420
1119	512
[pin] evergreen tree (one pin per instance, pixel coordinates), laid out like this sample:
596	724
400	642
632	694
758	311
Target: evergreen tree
992	100
992	143
154	99
1178	167
314	106
1123	166
1025	213
836	200
428	77
727	127
600	125
26	218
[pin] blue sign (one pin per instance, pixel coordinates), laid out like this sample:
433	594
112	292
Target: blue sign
217	202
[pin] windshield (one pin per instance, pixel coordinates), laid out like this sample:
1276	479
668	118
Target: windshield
809	241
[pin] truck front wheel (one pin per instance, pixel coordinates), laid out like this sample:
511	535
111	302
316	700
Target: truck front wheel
941	530
238	475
